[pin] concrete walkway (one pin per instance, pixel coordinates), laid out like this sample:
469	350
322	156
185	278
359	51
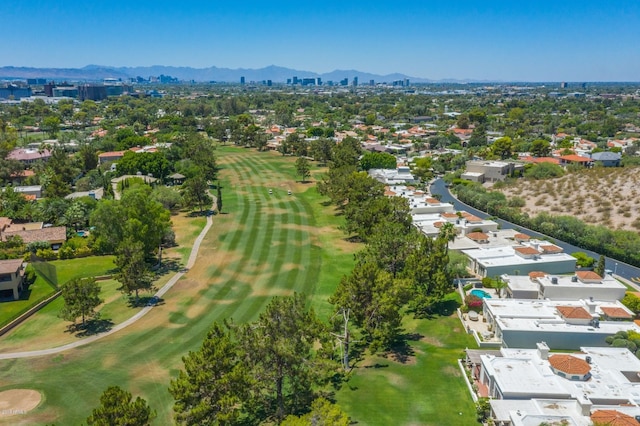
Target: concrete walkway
190	262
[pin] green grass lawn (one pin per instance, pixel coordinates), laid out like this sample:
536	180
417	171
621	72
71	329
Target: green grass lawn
263	245
427	389
30	335
64	270
38	291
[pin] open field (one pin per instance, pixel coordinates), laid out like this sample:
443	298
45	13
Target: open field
598	196
263	245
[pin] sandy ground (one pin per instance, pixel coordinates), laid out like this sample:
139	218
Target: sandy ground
599	196
14	402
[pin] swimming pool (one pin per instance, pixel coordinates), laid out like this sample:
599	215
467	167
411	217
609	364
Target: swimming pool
481	294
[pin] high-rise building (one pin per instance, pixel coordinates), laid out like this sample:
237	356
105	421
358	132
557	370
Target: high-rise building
344	82
355	81
406	82
563	85
241	80
93	92
372	83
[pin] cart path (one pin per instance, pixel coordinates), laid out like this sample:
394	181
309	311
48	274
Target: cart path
190	262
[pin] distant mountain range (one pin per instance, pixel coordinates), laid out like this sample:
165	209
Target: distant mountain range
272	72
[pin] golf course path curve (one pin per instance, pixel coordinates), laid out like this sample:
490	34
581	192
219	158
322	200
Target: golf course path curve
190	262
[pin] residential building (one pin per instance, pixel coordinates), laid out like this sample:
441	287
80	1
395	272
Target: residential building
534	386
520	259
607	158
490	171
110	156
565	160
32	232
29	155
400	175
30	191
11	276
562	324
96	194
581	285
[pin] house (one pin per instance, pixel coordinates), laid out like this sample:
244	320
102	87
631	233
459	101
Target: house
12	276
29	155
110	156
396	176
96	194
607	158
562	324
30	192
490	171
575	159
598	385
581	285
32	232
520	259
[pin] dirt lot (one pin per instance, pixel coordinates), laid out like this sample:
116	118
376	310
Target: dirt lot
599	196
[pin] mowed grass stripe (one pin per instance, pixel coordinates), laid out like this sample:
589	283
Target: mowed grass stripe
256	240
247	241
264	284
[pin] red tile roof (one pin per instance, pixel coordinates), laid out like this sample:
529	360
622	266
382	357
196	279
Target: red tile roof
574	312
613	418
112	154
477	236
537	274
551	248
575	158
615	312
523	237
569	364
526	250
588	275
449	215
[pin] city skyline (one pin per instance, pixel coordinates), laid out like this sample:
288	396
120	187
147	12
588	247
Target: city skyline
493	41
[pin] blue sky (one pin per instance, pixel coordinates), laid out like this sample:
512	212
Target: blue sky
518	40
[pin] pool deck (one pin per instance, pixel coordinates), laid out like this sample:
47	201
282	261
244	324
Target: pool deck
480	328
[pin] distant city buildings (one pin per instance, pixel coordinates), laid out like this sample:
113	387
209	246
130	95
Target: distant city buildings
13	91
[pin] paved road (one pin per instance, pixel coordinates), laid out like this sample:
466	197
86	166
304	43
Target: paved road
190	262
621	269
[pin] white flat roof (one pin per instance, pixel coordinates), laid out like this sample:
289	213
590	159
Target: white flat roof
506	256
560	326
523	377
523	373
544	308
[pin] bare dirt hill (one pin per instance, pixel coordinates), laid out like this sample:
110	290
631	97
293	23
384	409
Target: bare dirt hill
599	196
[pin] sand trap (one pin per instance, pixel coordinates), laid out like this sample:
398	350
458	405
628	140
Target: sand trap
18	401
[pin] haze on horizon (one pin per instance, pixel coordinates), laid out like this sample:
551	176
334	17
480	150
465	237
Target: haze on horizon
496	40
